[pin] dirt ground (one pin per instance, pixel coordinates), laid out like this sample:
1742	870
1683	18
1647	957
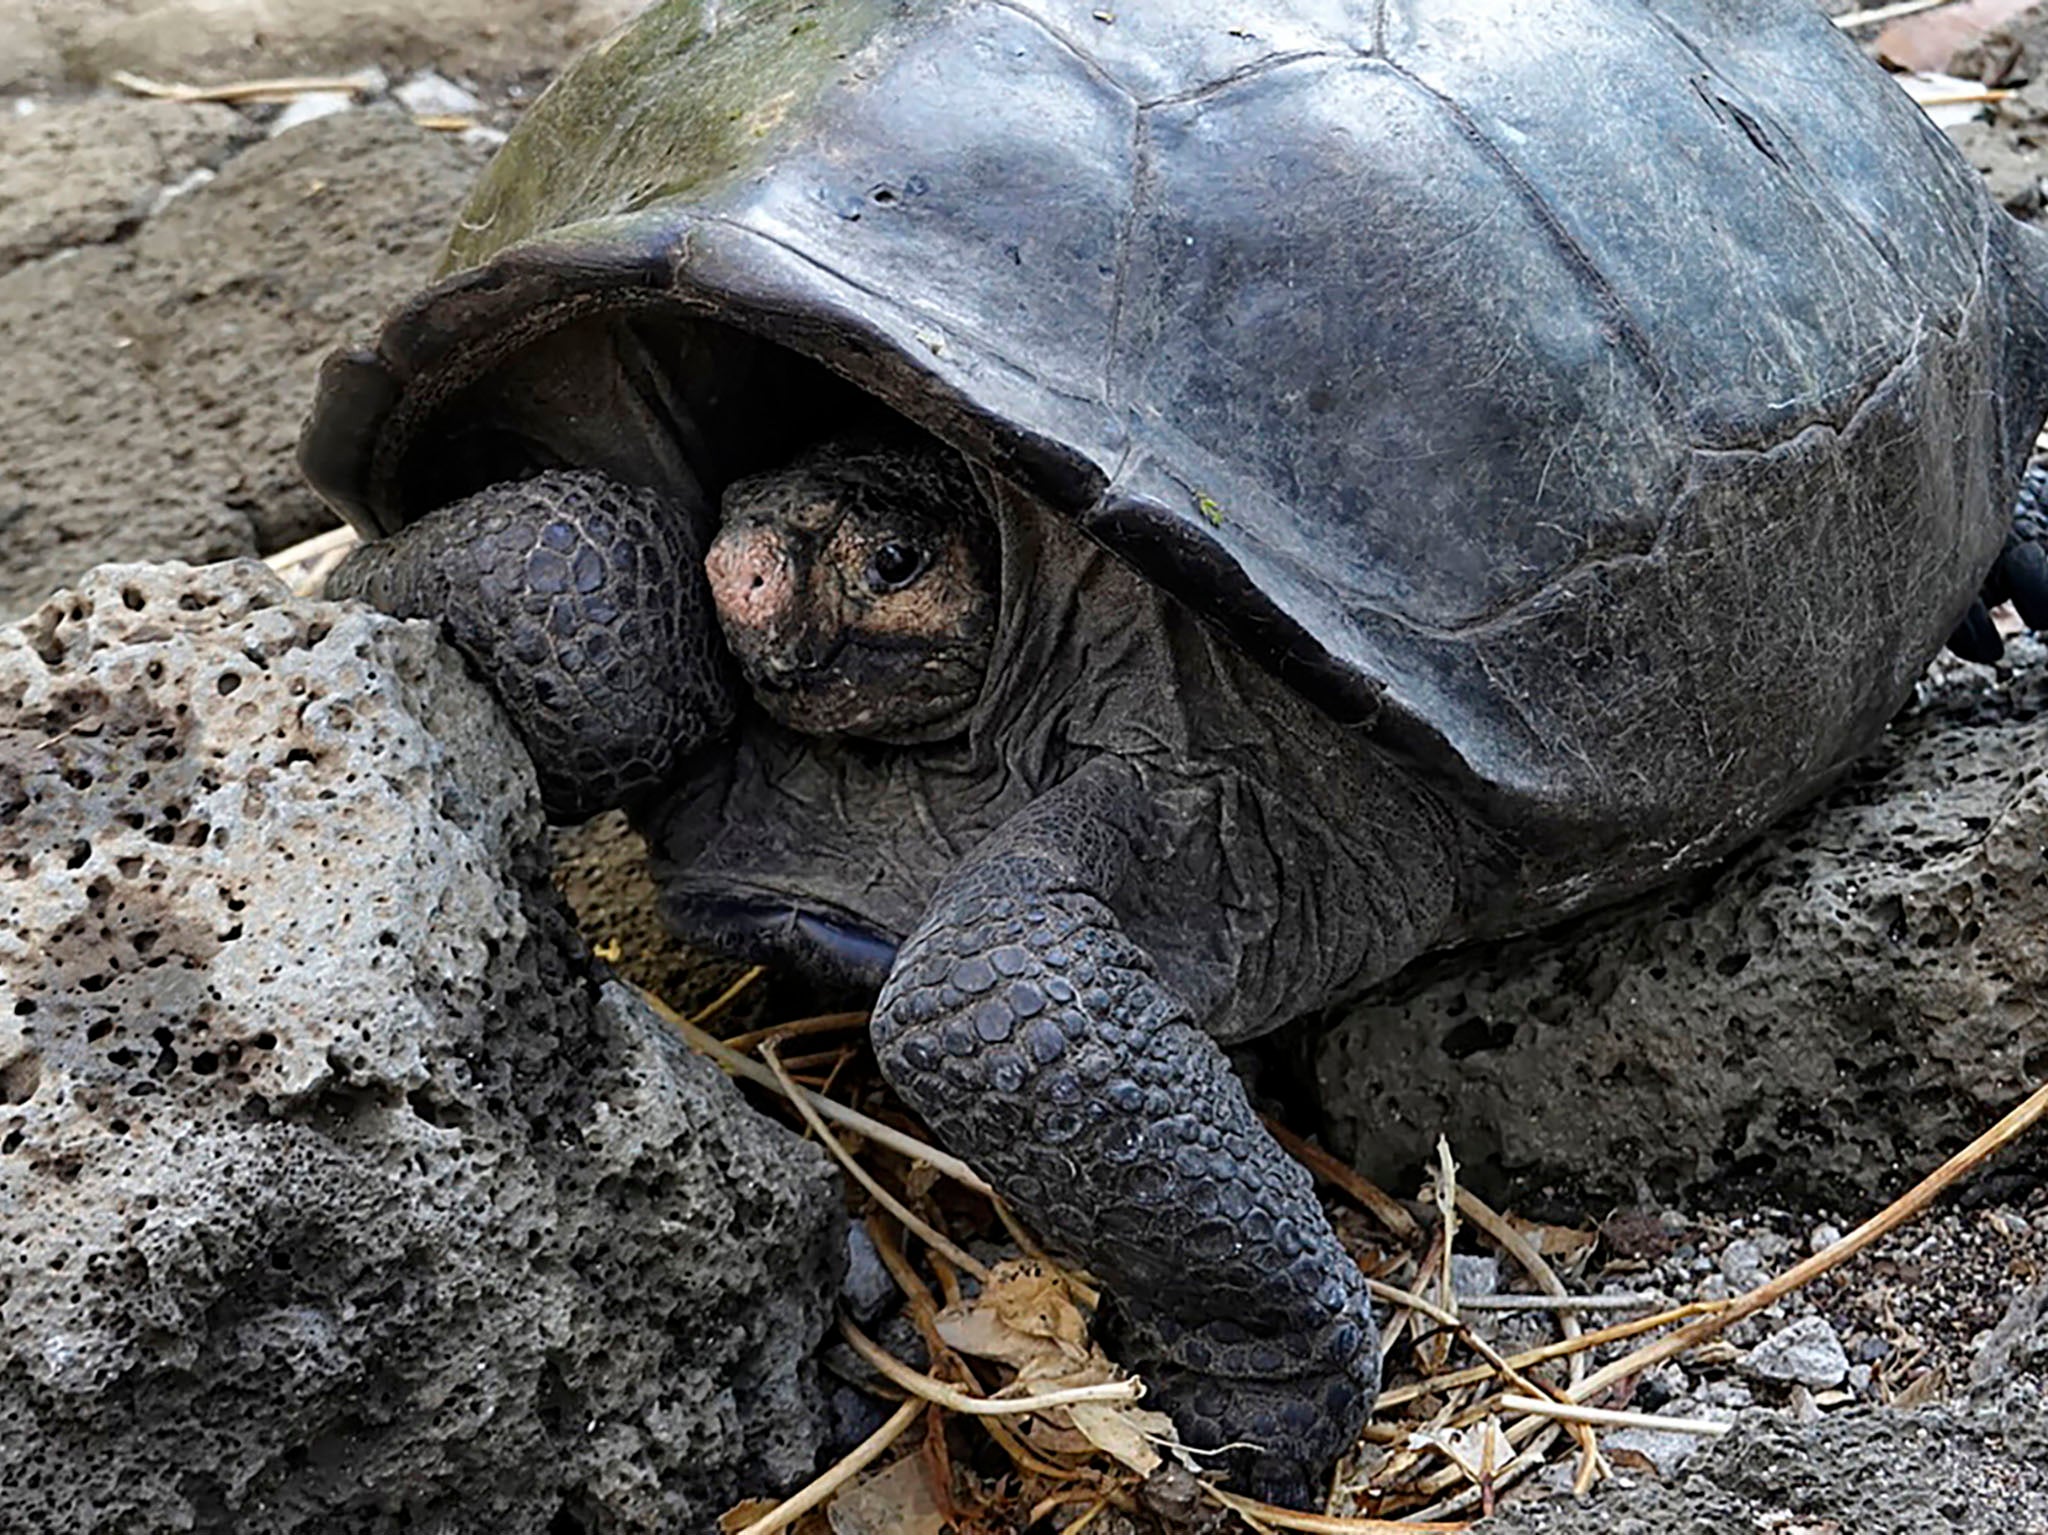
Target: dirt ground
172	272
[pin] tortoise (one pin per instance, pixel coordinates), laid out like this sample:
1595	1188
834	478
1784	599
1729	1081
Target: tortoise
1123	528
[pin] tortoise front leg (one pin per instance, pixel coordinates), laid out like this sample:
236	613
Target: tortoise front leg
1031	1033
583	604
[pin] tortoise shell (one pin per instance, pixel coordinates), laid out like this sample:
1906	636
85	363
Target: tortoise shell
1607	407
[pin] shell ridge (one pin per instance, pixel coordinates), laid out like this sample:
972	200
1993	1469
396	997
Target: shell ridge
1857	399
1126	240
1244	72
982	346
1630	332
1086	60
1508	608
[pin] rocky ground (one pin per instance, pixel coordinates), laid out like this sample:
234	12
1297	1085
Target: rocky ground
171	273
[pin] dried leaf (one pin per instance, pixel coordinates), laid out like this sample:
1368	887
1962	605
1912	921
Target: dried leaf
1569	1245
741	1515
1479	1451
1127	1433
1034	1299
896	1500
1625	1459
1055	1441
1024	1318
918	1180
1923	1388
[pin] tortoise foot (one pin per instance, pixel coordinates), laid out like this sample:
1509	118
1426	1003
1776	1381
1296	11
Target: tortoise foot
582	603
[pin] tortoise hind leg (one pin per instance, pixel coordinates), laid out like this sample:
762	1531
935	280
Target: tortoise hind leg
583	604
2018	576
1031	1033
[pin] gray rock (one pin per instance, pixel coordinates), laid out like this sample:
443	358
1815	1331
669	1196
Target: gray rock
1474	1275
1742	1264
868	1288
45	41
1663	1453
156	381
310	107
1826	1017
78	173
427	94
1856	1472
2017	1344
338	1190
1805	1352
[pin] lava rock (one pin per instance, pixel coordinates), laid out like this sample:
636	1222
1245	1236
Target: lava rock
1806	1353
339	1190
2018	1344
1867	1471
159	366
44	43
76	173
1827	1016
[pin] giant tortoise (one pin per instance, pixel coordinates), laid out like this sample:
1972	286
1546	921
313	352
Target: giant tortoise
1123	526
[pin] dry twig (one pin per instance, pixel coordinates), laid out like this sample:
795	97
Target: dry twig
933	1238
252	91
1878	15
881	1134
863	1455
940	1394
1608	1417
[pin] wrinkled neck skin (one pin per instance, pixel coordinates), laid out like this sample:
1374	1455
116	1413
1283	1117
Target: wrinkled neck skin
1287	864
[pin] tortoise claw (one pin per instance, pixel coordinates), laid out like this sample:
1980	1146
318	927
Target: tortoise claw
2023	573
1977	638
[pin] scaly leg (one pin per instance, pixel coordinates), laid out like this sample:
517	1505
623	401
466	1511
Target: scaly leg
1031	1033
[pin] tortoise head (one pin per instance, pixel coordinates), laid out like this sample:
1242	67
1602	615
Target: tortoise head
858	590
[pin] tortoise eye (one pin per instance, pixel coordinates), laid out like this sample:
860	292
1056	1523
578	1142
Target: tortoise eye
895	565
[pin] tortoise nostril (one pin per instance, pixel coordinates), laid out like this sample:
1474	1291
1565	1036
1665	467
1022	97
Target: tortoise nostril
750	576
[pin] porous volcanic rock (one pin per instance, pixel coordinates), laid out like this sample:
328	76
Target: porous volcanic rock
1974	1470
159	363
48	41
76	173
1826	1016
339	1191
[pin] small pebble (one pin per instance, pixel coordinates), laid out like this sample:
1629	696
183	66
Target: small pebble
427	94
191	181
1474	1275
1673	1221
1742	1264
867	1289
1728	1395
310	107
1806	1352
1858	1379
1823	1237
